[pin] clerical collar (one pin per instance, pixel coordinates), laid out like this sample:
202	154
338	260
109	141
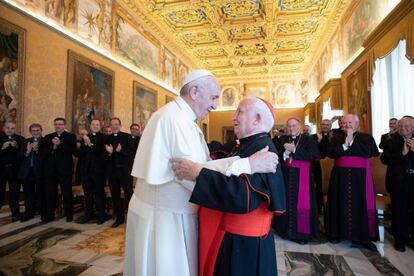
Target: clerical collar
115	134
251	138
183	105
10	137
93	133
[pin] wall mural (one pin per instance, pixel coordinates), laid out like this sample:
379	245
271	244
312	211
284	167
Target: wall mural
105	24
12	60
89	92
363	20
131	43
359	97
230	96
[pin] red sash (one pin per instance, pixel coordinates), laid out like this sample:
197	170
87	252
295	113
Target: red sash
214	224
359	162
303	205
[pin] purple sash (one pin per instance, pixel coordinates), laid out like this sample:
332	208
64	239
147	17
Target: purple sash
359	162
303	205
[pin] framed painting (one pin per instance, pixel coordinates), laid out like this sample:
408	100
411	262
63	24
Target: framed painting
132	44
358	95
169	68
228	134
12	61
229	96
259	90
90	88
145	103
182	74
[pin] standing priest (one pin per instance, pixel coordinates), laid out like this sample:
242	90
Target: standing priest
350	212
300	222
235	233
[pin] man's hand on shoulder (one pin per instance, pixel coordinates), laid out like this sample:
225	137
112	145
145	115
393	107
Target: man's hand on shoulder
264	161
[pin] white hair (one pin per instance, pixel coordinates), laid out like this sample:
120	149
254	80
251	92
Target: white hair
259	107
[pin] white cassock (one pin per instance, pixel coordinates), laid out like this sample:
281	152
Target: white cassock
162	226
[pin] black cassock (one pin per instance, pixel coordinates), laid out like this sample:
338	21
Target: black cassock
347	214
401	168
287	224
238	254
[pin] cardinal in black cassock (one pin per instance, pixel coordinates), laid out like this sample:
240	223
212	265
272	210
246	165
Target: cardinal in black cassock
350	212
236	213
300	222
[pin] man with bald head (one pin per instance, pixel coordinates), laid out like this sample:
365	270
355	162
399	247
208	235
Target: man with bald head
161	235
350	211
300	222
399	156
236	212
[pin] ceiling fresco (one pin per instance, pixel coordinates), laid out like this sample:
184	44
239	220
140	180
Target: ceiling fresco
245	40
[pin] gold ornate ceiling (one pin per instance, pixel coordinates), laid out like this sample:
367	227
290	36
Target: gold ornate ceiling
243	40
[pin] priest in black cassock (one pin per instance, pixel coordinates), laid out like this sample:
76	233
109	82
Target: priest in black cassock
92	172
119	147
235	218
296	152
322	139
399	156
350	211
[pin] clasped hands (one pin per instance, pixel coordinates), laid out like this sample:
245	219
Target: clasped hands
408	145
262	161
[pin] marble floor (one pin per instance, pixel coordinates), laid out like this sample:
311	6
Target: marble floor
61	248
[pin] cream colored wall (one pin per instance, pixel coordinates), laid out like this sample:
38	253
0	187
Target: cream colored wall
220	119
44	93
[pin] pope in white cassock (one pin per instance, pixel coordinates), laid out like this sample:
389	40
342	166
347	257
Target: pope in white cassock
161	234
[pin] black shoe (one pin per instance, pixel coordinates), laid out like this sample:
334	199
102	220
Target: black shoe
69	218
117	223
399	247
370	246
26	218
84	220
15	218
334	241
100	221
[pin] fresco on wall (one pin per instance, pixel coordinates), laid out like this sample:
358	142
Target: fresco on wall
359	97
130	43
182	73
94	22
362	21
229	97
289	95
89	92
256	89
12	59
145	103
169	68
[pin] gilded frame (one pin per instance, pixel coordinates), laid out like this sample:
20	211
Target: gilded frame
6	26
74	57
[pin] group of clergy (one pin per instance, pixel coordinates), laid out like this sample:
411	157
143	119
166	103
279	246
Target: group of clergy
350	212
41	163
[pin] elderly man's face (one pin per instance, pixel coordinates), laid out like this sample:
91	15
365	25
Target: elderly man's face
293	127
206	98
349	123
243	120
405	127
